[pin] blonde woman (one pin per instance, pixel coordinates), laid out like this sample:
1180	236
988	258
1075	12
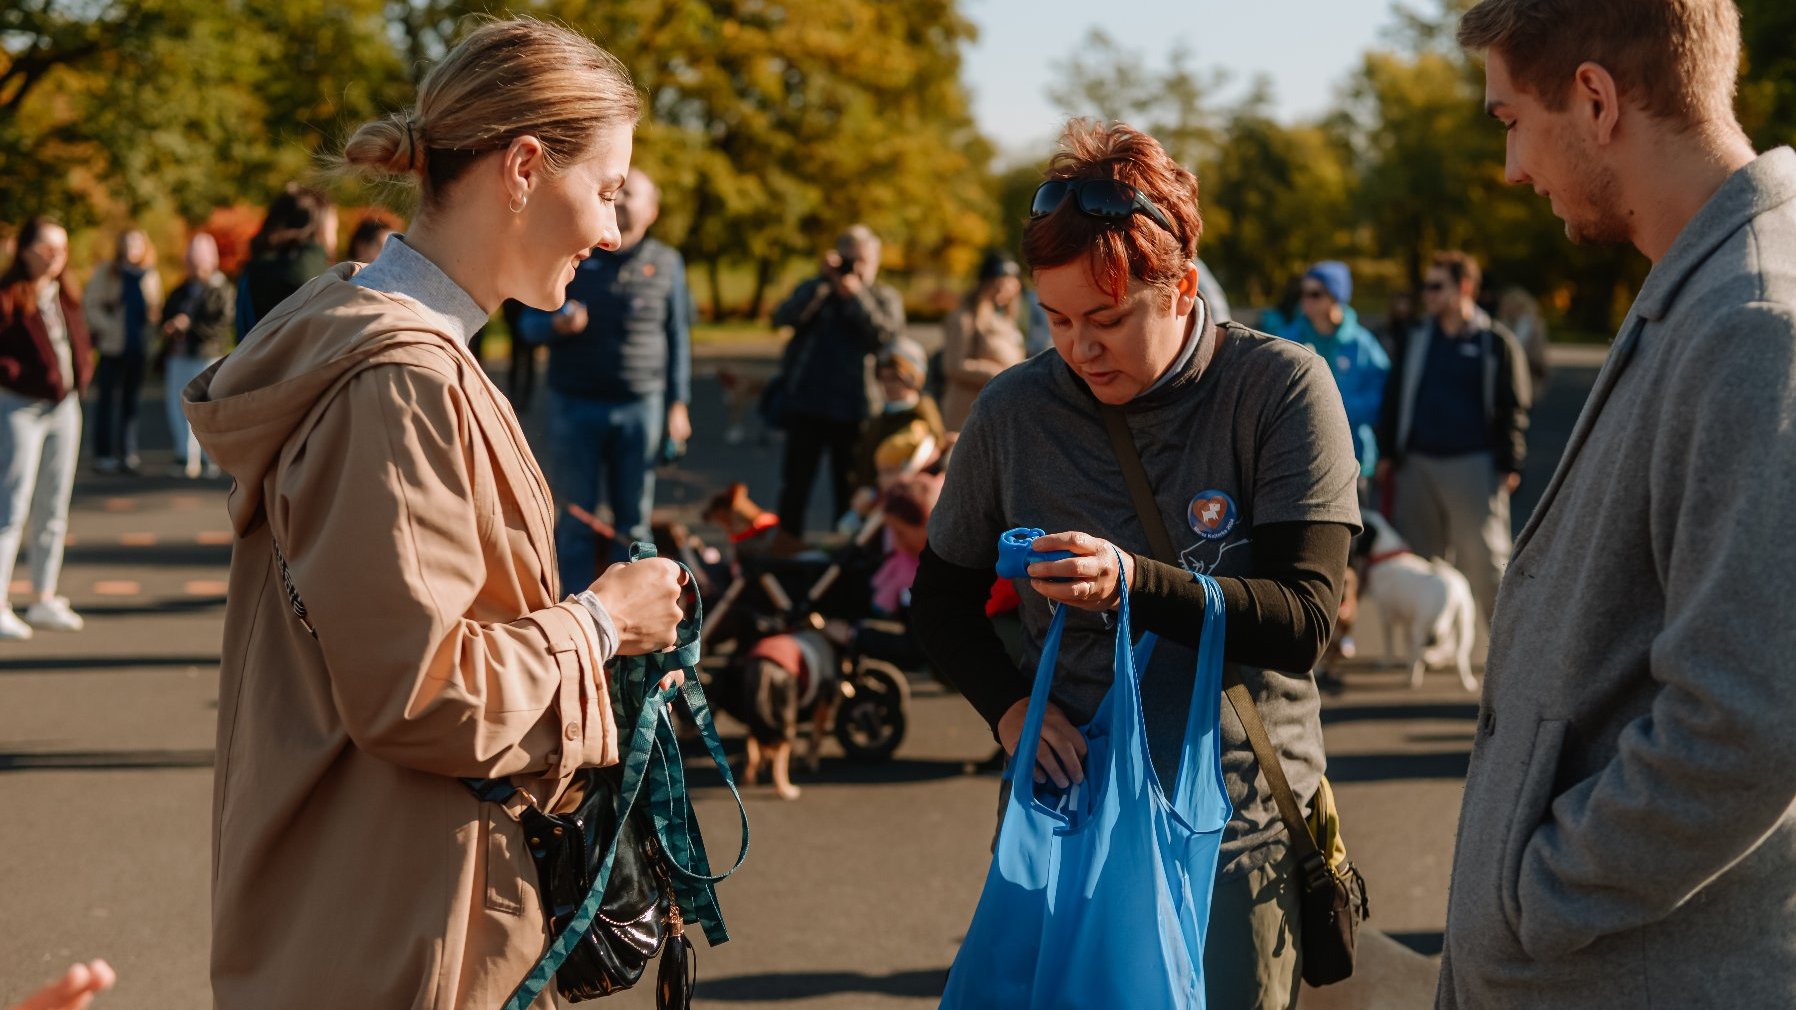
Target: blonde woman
123	303
981	338
395	621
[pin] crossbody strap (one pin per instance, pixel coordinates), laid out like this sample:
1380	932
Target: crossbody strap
1141	491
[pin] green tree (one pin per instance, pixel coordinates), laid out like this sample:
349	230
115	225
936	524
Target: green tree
1275	199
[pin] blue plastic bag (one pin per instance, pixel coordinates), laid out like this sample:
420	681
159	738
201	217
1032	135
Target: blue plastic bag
1099	895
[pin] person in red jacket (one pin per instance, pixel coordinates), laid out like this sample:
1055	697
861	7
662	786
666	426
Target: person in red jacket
46	361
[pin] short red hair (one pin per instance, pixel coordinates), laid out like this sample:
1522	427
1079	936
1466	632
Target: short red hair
1139	248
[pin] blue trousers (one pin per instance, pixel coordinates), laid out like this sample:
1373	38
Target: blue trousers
604	452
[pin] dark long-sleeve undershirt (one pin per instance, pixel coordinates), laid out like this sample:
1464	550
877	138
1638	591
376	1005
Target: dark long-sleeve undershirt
1279	617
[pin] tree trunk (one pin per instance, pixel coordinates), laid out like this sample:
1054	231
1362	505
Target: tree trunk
714	270
763	278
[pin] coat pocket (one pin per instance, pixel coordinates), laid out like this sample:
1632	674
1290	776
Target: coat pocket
503	838
1530	812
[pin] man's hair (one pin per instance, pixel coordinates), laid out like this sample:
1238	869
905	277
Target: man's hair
1677	59
1459	267
1138	247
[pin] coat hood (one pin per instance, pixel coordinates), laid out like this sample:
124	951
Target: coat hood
249	406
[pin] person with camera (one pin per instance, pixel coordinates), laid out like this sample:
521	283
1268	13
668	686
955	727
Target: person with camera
839	319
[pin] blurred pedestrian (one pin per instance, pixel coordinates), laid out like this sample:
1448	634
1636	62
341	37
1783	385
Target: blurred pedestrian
1628	832
46	361
394	623
1399	323
620	379
294	245
1242	439
901	370
1328	325
520	378
839	321
123	303
369	236
1520	311
1284	314
1453	432
981	337
196	331
1216	300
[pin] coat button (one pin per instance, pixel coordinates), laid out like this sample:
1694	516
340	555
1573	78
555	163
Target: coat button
572	732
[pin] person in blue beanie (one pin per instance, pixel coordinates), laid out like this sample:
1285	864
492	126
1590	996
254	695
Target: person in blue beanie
1327	324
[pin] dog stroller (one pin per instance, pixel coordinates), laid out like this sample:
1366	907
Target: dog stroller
826	605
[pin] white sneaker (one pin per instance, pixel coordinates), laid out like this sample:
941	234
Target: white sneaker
11	628
54	614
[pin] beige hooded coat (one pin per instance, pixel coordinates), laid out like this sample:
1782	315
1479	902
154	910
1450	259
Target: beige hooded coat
350	867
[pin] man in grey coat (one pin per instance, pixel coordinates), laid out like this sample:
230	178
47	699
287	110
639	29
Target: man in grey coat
1628	835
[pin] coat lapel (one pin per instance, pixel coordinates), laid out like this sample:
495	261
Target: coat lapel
1619	357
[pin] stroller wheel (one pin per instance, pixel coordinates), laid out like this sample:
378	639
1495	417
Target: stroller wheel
870	720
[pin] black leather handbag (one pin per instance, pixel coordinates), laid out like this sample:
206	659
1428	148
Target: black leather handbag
638	917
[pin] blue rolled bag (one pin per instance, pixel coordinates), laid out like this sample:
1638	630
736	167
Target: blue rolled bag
624	870
1099	894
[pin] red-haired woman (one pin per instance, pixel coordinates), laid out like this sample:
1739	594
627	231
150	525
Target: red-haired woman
45	364
1246	445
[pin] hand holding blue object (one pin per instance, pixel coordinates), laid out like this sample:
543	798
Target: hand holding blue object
1015	553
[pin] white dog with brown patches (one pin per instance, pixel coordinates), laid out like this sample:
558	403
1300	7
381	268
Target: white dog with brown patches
1426	605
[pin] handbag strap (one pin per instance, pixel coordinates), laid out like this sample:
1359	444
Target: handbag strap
1141	491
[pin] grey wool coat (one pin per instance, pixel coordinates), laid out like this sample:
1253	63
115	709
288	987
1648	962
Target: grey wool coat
1628	837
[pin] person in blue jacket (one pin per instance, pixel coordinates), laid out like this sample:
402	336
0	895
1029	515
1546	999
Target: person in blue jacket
1327	324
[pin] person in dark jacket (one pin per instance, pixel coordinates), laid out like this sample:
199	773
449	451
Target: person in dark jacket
46	363
293	246
196	329
840	319
620	377
1453	435
121	305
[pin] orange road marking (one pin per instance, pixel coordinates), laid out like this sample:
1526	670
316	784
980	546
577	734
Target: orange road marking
214	538
117	587
20	586
121	504
206	587
137	540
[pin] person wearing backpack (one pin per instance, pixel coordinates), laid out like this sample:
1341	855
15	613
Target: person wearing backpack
1251	465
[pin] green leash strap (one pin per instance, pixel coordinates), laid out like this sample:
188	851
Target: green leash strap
636	765
655	772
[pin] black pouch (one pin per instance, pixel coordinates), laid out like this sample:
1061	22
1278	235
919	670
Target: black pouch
638	917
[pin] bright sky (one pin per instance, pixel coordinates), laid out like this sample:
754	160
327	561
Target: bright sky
1307	46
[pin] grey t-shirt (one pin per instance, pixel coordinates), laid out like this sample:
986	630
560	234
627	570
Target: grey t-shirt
1256	435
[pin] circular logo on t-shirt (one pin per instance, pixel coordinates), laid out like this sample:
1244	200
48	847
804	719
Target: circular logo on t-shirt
1212	514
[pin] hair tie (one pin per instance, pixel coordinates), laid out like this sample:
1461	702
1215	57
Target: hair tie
411	148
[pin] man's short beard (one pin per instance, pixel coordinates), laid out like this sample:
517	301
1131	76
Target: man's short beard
1605	221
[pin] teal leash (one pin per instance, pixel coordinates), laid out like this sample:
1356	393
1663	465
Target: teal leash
654	765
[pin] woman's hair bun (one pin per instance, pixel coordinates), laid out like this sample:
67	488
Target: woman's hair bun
385	146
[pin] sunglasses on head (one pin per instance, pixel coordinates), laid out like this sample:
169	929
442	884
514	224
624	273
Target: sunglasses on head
1314	293
1106	199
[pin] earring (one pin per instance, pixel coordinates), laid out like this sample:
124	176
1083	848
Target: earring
517	204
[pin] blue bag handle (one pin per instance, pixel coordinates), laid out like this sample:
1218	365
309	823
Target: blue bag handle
1202	740
1022	775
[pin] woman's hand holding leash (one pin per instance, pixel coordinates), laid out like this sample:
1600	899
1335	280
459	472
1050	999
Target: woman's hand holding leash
1094	577
643	599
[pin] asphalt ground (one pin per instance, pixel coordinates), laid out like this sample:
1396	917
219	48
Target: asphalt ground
856	895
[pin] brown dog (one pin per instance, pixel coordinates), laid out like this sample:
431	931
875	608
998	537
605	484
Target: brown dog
753	531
